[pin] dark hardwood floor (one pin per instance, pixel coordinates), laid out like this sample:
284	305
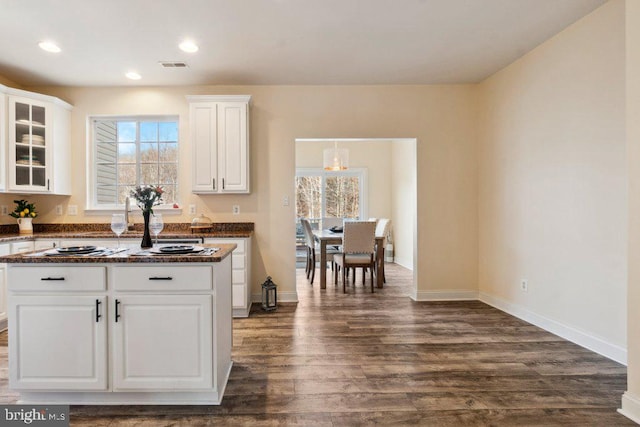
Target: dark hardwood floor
365	359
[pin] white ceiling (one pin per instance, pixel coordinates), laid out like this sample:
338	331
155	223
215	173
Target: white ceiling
274	41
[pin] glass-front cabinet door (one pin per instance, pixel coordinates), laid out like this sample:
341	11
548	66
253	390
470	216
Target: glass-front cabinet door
29	141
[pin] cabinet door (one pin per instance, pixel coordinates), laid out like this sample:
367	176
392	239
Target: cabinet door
162	342
204	147
58	343
233	147
30	139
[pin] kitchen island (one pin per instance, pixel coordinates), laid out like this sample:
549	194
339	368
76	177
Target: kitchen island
129	327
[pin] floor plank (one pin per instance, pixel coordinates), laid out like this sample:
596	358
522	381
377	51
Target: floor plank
359	358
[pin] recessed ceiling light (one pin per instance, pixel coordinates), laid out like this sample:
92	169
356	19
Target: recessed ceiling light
188	46
133	75
49	46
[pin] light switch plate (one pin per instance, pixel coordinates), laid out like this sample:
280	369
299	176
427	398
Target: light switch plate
59	210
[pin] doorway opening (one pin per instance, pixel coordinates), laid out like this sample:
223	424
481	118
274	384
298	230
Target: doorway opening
381	182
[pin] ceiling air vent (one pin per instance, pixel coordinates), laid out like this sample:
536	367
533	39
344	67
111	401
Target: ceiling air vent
173	64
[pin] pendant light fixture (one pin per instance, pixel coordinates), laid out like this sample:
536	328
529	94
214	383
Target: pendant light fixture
335	159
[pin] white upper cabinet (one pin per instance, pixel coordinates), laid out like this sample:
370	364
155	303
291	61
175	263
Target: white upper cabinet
219	127
38	144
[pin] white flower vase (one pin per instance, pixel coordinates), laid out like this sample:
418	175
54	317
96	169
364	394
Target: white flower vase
25	225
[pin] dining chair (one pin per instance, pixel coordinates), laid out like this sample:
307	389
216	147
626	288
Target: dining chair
382	230
312	245
358	251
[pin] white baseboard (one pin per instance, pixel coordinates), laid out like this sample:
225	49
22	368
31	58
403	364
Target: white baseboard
630	407
404	262
282	297
593	343
445	295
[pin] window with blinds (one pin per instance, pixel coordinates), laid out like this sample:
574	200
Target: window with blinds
132	151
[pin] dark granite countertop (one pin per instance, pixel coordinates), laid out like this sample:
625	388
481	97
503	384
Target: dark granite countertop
103	231
127	256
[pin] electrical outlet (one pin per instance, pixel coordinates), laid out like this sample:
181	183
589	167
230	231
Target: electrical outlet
59	210
524	285
236	209
285	201
4	209
192	209
72	209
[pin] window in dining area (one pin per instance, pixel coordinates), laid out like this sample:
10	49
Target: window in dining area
326	198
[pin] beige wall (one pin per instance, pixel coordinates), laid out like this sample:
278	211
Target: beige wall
552	184
403	201
631	399
440	117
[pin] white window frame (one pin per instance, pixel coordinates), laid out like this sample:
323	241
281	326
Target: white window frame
92	207
361	173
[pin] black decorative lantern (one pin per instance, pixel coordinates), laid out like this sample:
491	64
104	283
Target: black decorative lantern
269	295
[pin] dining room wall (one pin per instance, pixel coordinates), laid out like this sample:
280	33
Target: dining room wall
552	184
403	202
440	117
372	155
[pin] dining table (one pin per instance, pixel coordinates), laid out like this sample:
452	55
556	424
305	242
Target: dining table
331	238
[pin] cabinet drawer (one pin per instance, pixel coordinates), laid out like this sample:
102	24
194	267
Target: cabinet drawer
22	247
238	295
238	261
73	278
239	242
162	278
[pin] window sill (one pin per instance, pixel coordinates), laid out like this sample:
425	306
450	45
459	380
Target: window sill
135	211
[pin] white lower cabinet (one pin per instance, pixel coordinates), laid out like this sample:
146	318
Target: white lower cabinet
58	343
240	274
22	247
131	334
162	342
42	244
3	297
5	249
